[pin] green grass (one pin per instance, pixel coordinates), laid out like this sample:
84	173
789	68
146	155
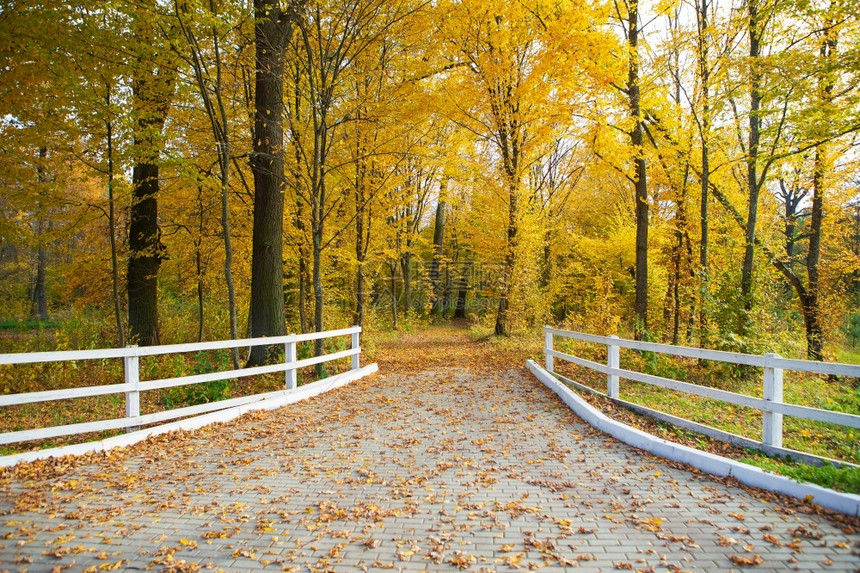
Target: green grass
848	355
824	440
845	479
22	325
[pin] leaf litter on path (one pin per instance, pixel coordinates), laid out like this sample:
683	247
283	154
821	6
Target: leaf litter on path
451	457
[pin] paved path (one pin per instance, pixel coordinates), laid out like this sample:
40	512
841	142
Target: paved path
439	471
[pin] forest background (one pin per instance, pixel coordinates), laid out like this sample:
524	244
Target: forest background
188	170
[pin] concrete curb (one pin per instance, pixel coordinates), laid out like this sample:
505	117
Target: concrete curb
749	475
269	401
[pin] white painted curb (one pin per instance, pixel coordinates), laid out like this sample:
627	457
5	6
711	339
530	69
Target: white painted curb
750	475
268	401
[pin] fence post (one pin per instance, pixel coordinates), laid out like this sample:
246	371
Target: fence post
131	366
612	361
290	356
355	344
548	346
771	434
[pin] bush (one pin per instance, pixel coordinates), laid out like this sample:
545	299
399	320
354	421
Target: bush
204	393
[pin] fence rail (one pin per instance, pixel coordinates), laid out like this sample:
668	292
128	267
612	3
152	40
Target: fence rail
133	385
771	404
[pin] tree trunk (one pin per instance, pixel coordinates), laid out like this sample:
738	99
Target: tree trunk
39	299
228	250
446	297
360	250
362	218
503	326
640	179
145	253
460	305
358	315
676	295
406	271
152	87
272	29
319	297
198	260
705	125
303	289
38	294
114	264
438	250
217	114
811	308
753	183
393	267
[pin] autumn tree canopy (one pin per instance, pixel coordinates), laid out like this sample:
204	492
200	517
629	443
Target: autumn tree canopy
201	169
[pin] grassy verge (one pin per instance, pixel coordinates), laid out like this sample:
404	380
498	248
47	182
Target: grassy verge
51	376
845	479
841	479
825	440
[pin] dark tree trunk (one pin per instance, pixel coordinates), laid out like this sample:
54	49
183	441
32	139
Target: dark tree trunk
406	271
272	29
145	253
460	305
676	296
303	289
503	326
300	221
360	244
39	299
358	315
753	183
438	251
198	259
811	307
393	267
791	200
112	225
703	40
198	264
319	297
152	86
640	178
446	297
38	294
705	126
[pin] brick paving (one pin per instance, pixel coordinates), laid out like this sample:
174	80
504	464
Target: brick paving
444	470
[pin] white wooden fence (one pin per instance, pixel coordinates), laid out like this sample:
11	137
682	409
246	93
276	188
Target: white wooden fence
133	385
771	404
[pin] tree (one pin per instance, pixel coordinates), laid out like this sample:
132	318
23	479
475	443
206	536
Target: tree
153	78
438	301
755	182
331	37
273	28
210	85
640	181
511	92
703	122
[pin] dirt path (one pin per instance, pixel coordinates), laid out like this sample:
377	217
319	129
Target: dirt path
425	466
